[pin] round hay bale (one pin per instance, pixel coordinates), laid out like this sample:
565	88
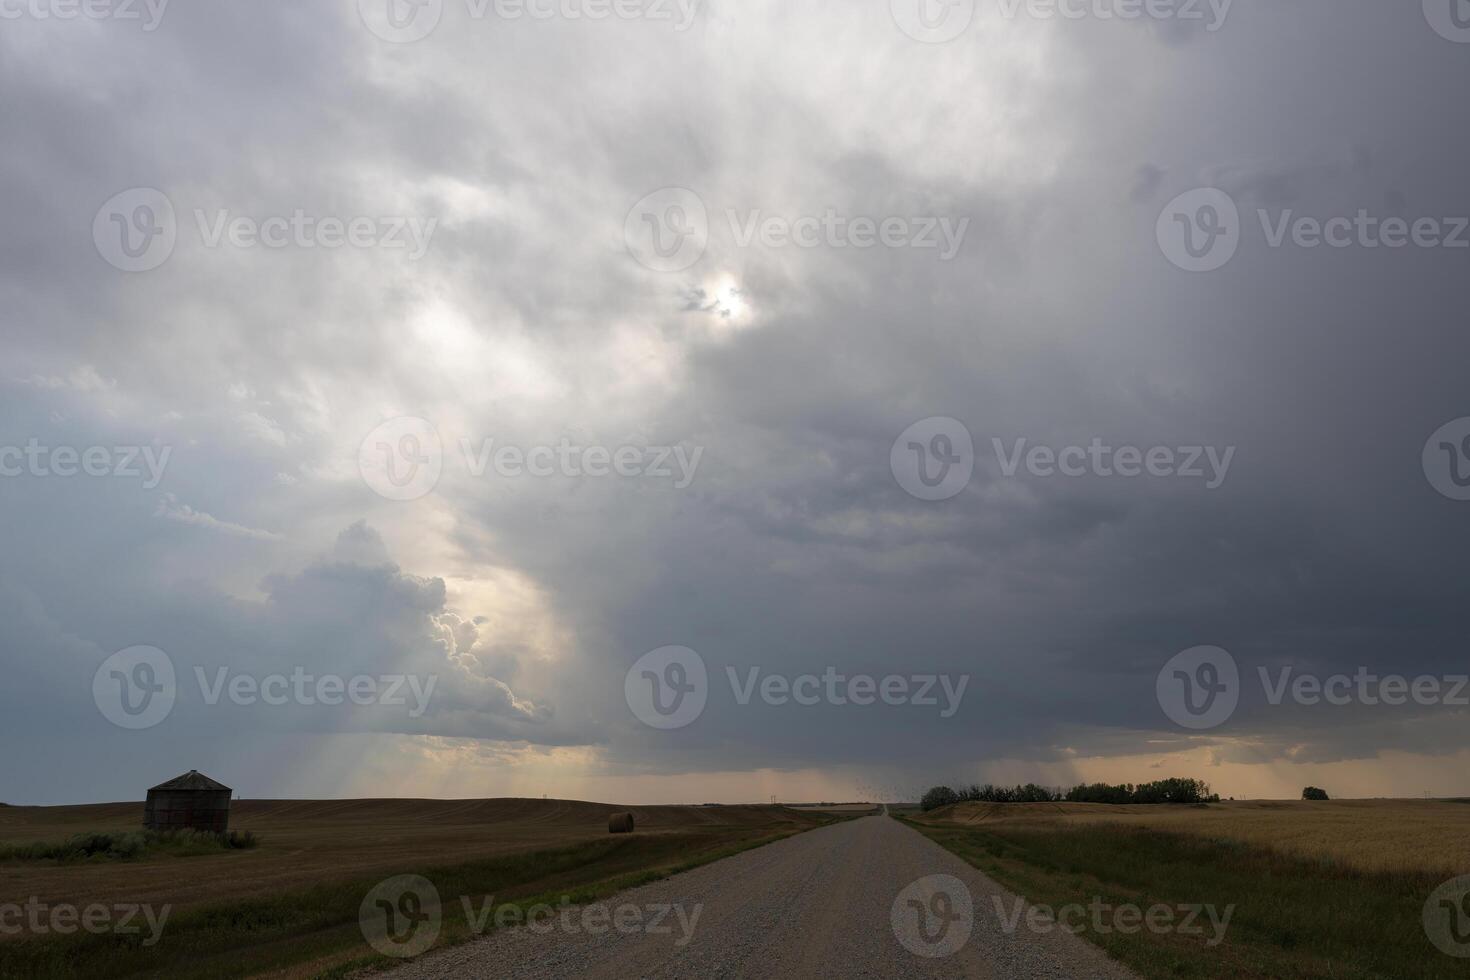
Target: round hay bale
620	823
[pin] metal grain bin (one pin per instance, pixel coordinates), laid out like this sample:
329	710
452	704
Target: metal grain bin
192	801
620	823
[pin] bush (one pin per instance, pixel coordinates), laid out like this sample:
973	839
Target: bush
129	845
937	797
1313	793
237	841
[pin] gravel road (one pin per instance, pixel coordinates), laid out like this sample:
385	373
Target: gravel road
841	901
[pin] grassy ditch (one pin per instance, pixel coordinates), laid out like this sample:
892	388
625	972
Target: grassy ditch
1293	918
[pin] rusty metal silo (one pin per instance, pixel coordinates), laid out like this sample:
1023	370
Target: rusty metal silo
192	801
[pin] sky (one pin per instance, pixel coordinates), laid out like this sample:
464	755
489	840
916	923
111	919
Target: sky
568	381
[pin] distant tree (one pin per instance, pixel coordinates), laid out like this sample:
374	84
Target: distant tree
1313	793
937	797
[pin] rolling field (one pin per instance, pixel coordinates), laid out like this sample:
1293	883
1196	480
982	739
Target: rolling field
1431	836
308	842
292	902
1315	891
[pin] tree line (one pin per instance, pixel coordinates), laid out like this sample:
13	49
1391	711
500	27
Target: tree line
1188	791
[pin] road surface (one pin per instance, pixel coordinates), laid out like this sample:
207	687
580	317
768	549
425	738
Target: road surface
865	898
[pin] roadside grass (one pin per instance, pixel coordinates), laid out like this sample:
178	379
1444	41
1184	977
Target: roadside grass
315	931
128	845
1294	918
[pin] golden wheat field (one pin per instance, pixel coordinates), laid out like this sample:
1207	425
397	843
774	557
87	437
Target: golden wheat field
1372	835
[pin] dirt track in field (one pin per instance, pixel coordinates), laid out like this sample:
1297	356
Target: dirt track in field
841	901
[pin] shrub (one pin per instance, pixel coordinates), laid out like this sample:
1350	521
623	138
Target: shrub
129	845
237	841
1313	793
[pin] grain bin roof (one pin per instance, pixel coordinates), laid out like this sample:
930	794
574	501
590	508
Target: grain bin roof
192	780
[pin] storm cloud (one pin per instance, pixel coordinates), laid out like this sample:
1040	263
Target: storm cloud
258	361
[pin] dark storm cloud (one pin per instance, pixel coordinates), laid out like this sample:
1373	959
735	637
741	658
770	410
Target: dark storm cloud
794	549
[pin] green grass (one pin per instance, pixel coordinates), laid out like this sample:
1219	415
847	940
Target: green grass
127	846
1294	918
319	925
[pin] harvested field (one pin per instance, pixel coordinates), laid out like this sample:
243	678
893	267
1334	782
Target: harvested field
306	843
1431	836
